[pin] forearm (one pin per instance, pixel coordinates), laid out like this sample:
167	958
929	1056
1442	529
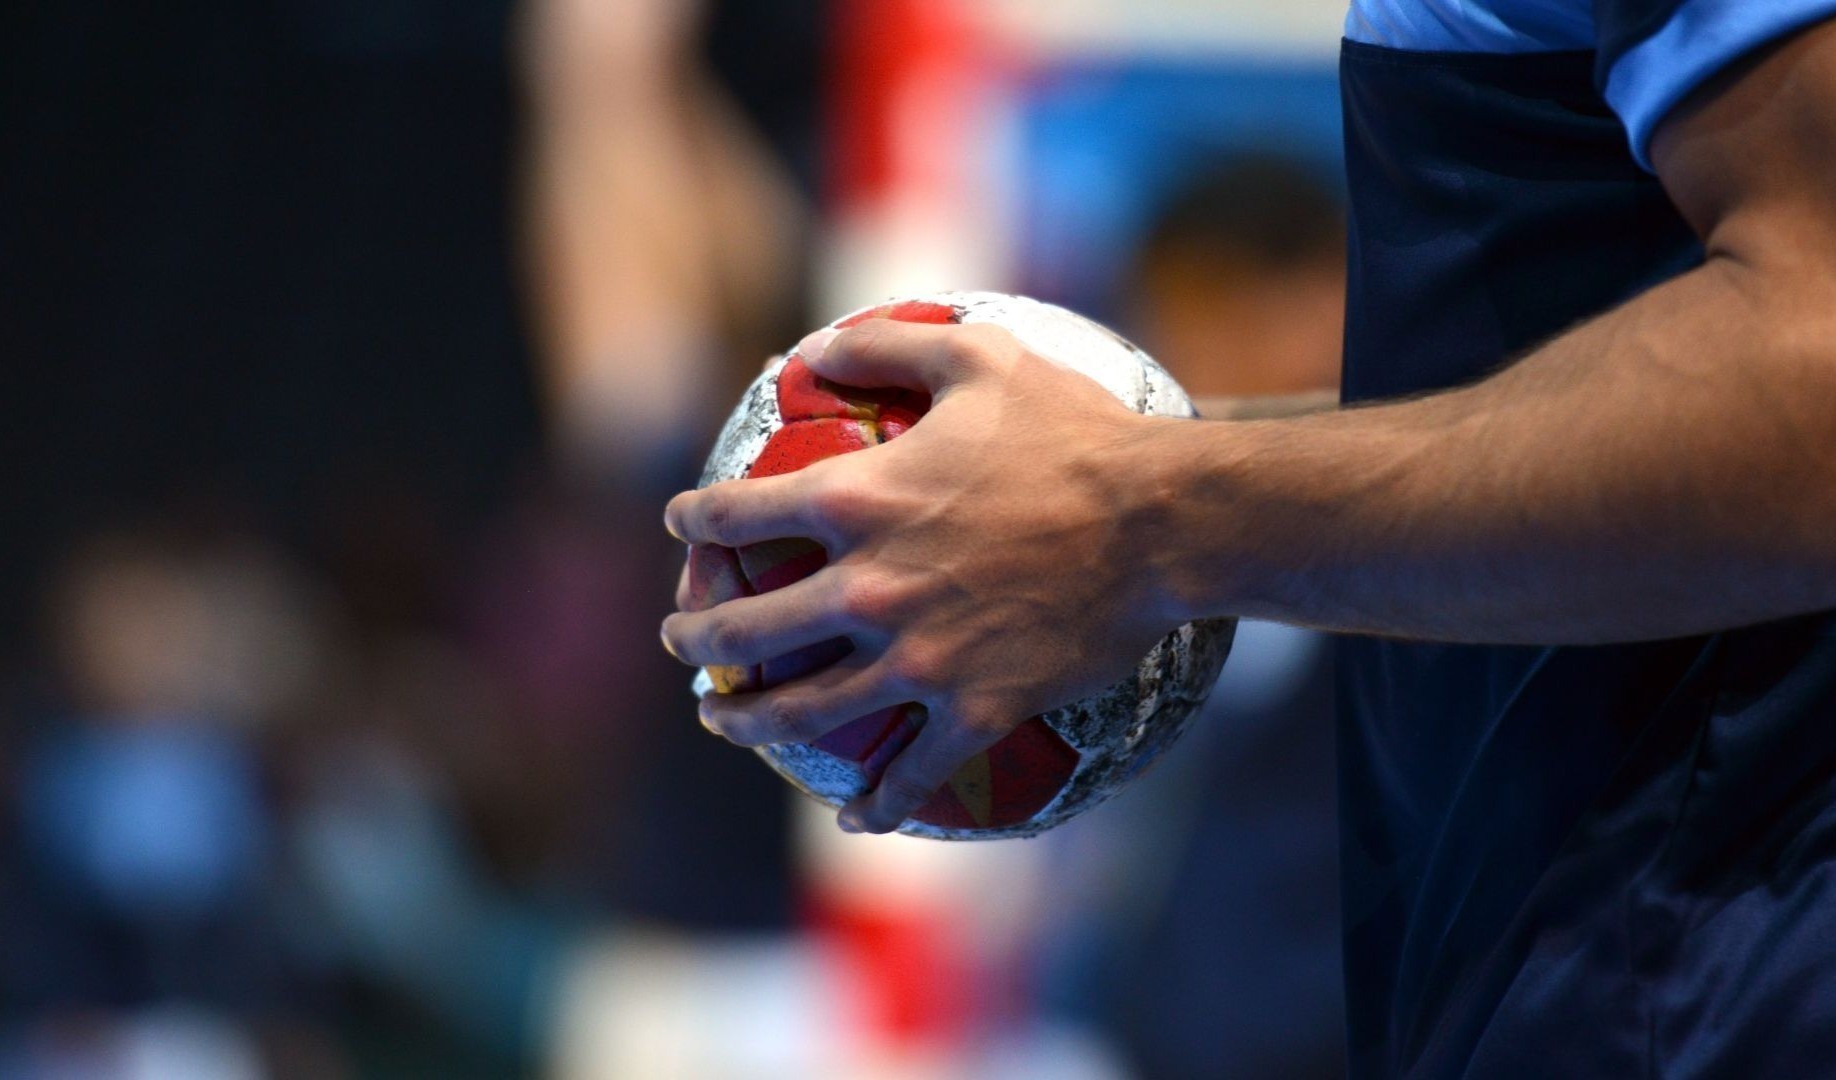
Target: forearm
1669	468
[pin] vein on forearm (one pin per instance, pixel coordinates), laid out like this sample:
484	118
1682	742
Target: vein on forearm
1666	469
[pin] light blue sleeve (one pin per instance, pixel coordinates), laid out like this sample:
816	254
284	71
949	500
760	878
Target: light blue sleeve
1699	39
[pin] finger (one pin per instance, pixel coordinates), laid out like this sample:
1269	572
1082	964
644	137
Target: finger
740	512
753	629
940	749
916	356
684	598
804	710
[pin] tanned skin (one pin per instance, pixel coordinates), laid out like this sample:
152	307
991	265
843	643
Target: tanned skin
1666	469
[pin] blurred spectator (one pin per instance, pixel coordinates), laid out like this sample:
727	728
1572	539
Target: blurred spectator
255	257
144	865
1239	285
338	774
1198	912
385	328
665	236
666	233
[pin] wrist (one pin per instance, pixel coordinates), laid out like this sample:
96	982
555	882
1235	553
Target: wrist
1181	517
1269	519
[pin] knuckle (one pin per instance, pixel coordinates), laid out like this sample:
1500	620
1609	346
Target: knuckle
877	331
865	599
716	516
728	640
914	669
784	721
835	498
864	341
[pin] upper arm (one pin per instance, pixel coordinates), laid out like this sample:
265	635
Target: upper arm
1749	157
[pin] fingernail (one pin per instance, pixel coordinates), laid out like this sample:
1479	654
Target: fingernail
849	822
812	347
669	526
663	636
706	717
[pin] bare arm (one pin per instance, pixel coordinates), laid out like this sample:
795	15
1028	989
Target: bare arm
1666	469
654	223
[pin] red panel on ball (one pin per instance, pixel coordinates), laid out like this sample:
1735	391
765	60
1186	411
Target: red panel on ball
874	740
774	564
795	446
715	576
896	420
805	395
1007	784
914	311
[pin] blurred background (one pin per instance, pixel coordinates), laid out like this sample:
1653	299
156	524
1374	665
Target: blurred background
348	352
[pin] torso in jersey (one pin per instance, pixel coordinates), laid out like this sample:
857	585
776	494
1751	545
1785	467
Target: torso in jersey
1574	862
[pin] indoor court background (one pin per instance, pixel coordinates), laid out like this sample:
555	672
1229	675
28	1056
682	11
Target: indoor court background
351	348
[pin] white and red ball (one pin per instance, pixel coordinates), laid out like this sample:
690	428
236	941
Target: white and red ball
1051	767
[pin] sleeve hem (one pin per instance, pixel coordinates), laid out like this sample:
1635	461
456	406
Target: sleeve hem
1704	37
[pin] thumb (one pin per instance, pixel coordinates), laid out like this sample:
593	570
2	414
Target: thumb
914	356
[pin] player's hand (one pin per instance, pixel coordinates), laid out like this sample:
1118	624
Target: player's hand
990	564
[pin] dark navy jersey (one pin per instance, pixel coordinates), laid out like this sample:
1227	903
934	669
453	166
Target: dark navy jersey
1564	862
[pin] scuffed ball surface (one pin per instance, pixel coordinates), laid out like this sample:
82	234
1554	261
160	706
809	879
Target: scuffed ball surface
1049	768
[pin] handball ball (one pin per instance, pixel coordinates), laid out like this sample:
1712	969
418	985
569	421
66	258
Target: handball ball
1052	767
